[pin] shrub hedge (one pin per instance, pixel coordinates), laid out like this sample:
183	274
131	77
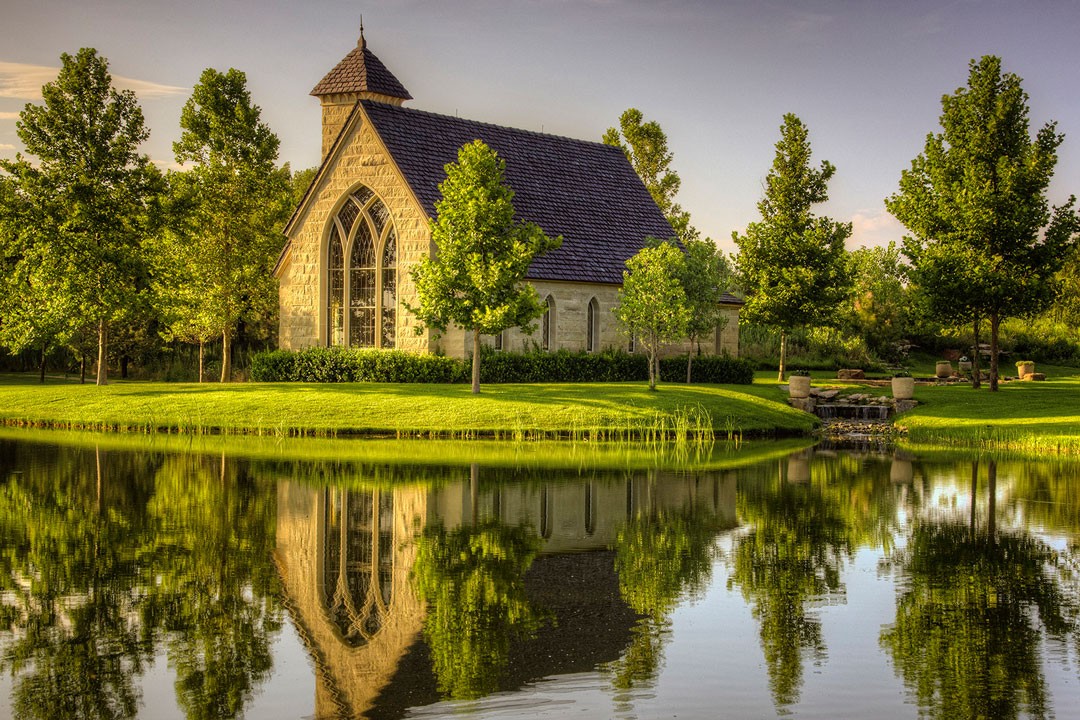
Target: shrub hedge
367	365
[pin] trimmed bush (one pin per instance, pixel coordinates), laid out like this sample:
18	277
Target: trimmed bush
327	365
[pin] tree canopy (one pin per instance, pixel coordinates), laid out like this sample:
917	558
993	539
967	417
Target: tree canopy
476	277
646	147
236	198
985	241
89	200
792	263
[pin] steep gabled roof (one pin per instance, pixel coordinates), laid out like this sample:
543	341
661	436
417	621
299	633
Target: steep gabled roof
587	192
360	71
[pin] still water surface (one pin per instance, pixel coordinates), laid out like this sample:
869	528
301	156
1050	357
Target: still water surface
161	584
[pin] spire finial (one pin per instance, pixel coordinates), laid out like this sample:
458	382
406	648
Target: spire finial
362	43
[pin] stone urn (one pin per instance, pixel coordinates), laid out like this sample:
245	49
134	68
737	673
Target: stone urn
943	369
903	388
1025	367
799	386
964	367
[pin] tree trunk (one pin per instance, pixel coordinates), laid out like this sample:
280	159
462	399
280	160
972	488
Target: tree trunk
103	353
226	356
124	360
41	365
476	362
689	360
991	503
995	325
974	489
82	367
202	355
976	372
652	370
783	355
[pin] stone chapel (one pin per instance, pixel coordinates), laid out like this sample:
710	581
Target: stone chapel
364	223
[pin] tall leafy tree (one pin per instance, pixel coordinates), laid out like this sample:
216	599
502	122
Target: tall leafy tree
792	263
238	198
978	192
706	277
646	147
475	279
90	197
652	302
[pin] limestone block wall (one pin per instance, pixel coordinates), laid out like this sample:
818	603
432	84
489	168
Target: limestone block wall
727	342
361	159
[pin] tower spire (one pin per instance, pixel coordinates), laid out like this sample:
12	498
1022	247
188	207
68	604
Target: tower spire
361	43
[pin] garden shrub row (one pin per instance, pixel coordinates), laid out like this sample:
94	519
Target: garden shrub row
367	365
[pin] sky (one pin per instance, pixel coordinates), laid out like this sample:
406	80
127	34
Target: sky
865	77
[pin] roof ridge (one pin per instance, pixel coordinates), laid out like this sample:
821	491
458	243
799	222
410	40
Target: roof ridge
417	111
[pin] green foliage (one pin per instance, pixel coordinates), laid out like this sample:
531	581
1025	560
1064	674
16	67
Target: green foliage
652	303
985	241
645	146
472	579
883	311
236	200
792	264
476	277
89	204
340	364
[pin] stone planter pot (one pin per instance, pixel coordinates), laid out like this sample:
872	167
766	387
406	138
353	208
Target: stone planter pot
964	367
799	386
1025	368
943	369
903	388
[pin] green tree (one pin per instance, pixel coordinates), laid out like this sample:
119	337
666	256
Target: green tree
881	306
473	581
792	264
652	303
238	198
90	195
646	147
978	192
705	278
475	279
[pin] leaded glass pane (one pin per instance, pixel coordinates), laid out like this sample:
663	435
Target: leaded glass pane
335	311
362	327
347	216
362	195
590	331
379	216
389	291
362	289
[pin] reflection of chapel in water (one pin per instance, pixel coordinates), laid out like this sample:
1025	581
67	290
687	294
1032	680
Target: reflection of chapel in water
345	558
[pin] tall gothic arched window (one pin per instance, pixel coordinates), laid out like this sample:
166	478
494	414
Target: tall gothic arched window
547	325
362	274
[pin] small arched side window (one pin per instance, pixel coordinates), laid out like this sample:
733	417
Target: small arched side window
592	330
547	325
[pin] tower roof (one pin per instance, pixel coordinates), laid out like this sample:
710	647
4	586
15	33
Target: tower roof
360	71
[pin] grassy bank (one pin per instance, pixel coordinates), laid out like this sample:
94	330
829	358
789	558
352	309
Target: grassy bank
1024	417
597	411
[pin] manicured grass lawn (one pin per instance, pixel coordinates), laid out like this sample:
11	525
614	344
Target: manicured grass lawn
1039	417
518	410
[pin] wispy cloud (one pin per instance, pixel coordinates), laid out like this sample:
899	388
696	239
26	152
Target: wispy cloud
6	146
14	115
23	82
874	227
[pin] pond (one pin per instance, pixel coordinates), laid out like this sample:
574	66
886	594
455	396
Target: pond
153	580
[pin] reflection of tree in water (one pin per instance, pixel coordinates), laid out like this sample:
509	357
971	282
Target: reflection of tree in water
472	579
972	608
70	531
215	580
662	555
799	535
104	555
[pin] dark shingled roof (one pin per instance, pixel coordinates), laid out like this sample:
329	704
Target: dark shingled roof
587	192
361	71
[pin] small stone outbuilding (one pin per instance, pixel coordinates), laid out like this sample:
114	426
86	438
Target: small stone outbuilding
364	224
